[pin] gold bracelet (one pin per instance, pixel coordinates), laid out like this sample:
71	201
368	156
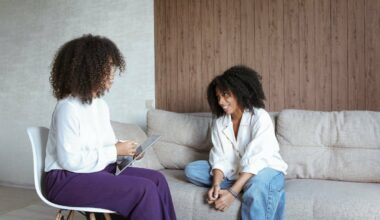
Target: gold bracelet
232	192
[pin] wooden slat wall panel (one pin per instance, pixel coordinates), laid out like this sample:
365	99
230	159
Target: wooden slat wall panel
233	33
195	59
171	54
339	56
291	54
160	52
356	68
322	52
208	34
261	42
372	54
276	95
312	54
220	22
183	55
307	56
247	32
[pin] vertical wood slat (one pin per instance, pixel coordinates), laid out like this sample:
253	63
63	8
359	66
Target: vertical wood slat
339	78
160	52
372	53
183	55
233	33
261	43
312	54
171	54
195	60
207	16
307	58
322	55
291	54
247	33
276	95
220	22
356	66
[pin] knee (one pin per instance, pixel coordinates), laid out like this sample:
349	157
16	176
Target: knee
198	173
159	177
156	175
147	188
267	179
190	169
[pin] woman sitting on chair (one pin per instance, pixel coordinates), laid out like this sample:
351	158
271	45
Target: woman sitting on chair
82	149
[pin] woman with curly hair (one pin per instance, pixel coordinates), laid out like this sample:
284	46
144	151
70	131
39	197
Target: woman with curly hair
82	149
245	155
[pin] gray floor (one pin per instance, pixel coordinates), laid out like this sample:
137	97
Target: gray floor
20	204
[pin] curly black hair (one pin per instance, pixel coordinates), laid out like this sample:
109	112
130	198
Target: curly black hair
82	66
243	82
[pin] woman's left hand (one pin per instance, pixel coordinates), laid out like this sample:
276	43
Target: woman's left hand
225	200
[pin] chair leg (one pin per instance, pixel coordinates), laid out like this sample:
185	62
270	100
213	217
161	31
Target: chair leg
59	215
91	216
107	216
71	215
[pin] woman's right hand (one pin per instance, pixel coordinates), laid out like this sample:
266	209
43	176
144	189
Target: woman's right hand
126	148
213	193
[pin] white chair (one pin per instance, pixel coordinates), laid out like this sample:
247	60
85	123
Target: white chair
38	139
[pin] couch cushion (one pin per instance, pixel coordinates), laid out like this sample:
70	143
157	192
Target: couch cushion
324	199
305	199
124	131
331	145
190	201
185	137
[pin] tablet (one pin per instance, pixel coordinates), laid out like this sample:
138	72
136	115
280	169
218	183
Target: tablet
128	161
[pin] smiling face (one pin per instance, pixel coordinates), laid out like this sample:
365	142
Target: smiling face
228	102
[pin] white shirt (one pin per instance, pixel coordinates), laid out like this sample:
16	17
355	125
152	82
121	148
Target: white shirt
255	147
81	138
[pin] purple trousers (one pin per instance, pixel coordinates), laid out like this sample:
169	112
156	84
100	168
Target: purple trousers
136	193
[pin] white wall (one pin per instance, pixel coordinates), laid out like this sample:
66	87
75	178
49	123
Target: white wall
30	34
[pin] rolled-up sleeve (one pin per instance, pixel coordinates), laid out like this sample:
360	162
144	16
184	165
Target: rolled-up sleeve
262	146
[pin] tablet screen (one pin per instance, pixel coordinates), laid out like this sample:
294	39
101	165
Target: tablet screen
128	161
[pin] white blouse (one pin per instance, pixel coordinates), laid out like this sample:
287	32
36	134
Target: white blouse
81	138
255	147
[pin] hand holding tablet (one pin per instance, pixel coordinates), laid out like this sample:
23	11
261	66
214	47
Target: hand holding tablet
128	161
126	147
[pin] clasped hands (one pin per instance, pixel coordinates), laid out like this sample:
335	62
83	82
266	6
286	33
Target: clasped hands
128	148
219	198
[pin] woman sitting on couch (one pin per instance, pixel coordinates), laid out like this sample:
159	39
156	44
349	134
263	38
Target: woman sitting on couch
245	154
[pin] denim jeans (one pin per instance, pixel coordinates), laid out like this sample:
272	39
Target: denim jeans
263	194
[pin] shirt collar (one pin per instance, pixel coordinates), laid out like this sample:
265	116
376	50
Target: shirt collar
245	119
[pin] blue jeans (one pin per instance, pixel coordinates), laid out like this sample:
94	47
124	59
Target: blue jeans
263	194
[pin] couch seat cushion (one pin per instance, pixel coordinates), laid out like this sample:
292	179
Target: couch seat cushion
189	200
305	199
324	199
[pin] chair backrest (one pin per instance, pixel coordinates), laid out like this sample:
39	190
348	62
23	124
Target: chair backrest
38	138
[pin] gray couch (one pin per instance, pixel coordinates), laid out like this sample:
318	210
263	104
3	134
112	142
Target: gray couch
333	158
